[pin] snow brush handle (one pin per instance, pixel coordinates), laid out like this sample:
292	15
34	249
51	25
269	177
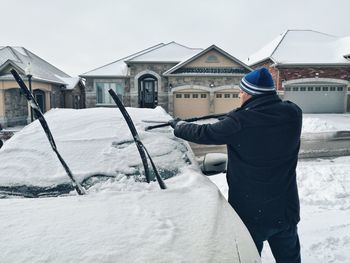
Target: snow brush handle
212	116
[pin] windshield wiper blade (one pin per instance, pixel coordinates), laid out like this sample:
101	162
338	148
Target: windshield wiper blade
140	146
39	115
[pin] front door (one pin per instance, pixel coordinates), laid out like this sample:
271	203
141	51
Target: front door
148	98
40	98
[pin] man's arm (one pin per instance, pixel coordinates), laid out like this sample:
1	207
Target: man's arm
218	133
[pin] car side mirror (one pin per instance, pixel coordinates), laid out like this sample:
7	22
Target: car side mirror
214	163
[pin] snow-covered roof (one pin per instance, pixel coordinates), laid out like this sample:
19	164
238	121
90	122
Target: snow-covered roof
171	52
71	82
117	68
40	69
303	47
200	53
343	46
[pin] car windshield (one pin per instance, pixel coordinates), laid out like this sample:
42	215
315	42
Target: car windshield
97	146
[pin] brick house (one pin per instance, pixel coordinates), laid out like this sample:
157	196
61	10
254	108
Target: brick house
310	68
184	81
51	87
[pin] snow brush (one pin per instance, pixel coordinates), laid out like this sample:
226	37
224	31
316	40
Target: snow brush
39	115
212	116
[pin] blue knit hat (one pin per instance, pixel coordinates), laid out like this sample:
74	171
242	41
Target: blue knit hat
258	82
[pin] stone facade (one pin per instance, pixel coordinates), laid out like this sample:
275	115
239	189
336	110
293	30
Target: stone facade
212	69
56	97
137	70
206	81
90	93
16	107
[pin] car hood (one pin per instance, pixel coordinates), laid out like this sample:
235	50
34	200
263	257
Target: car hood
189	222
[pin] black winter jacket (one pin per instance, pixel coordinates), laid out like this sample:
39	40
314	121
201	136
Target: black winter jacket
263	139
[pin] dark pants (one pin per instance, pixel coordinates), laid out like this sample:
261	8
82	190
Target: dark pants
283	241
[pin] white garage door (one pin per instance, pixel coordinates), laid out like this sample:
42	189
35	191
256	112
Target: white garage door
317	98
191	104
225	101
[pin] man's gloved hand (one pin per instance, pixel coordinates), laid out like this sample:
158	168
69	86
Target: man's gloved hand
174	122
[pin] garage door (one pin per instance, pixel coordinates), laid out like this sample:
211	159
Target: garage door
191	104
225	101
317	99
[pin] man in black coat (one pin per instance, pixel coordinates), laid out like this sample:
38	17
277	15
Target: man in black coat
263	139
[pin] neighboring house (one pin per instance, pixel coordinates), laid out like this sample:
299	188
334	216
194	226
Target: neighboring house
310	68
51	87
184	81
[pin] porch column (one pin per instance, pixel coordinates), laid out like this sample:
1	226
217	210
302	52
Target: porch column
2	107
47	101
211	102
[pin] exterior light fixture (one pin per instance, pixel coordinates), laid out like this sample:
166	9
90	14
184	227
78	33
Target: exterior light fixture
28	72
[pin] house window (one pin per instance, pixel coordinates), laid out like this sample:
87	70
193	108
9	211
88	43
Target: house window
317	88
195	96
332	88
287	88
227	96
187	96
324	88
310	88
102	94
178	96
219	95
235	95
339	88
212	59
295	88
203	96
302	88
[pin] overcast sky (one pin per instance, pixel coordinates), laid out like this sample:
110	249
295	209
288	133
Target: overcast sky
80	35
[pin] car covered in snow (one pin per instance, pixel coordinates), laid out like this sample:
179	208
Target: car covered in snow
122	218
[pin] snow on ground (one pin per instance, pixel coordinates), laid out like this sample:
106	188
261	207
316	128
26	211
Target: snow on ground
325	122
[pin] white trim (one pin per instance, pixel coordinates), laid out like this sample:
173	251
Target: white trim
204	88
202	52
315	80
227	87
186	87
135	91
205	75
